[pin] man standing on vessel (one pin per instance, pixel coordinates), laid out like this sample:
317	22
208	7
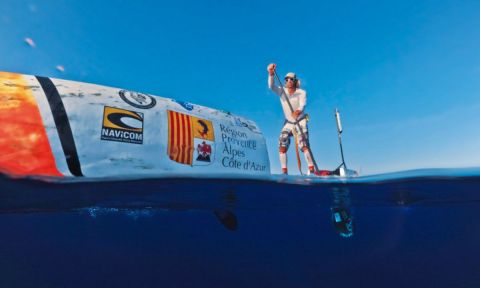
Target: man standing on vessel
298	100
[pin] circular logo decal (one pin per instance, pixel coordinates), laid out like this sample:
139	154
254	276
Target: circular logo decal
138	100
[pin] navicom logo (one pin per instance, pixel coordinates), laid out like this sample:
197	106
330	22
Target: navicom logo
122	125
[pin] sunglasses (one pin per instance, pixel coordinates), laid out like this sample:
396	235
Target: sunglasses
288	78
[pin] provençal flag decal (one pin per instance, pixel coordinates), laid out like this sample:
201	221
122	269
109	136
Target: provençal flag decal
190	139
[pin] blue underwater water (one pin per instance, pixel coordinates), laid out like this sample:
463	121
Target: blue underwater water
411	229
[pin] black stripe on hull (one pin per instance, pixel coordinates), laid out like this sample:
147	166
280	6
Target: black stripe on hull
63	125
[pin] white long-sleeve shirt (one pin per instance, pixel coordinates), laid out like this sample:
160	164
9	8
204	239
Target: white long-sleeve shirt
298	99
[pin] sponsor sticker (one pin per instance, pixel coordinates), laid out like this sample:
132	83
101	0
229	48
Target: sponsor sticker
122	125
138	100
186	105
241	123
191	140
204	152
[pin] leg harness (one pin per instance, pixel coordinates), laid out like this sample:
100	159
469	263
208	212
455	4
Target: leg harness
284	139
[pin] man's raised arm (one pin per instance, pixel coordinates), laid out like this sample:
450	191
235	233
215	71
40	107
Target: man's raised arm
271	80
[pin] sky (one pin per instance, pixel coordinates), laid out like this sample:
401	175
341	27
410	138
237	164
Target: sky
404	74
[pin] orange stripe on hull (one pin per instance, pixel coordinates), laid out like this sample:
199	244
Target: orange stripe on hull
183	158
171	134
190	141
24	146
178	142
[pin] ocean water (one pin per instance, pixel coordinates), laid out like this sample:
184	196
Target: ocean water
411	229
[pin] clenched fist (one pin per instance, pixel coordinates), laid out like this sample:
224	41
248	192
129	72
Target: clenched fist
271	68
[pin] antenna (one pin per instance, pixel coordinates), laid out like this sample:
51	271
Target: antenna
340	130
339	122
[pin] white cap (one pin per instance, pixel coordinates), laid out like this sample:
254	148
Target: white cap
291	75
